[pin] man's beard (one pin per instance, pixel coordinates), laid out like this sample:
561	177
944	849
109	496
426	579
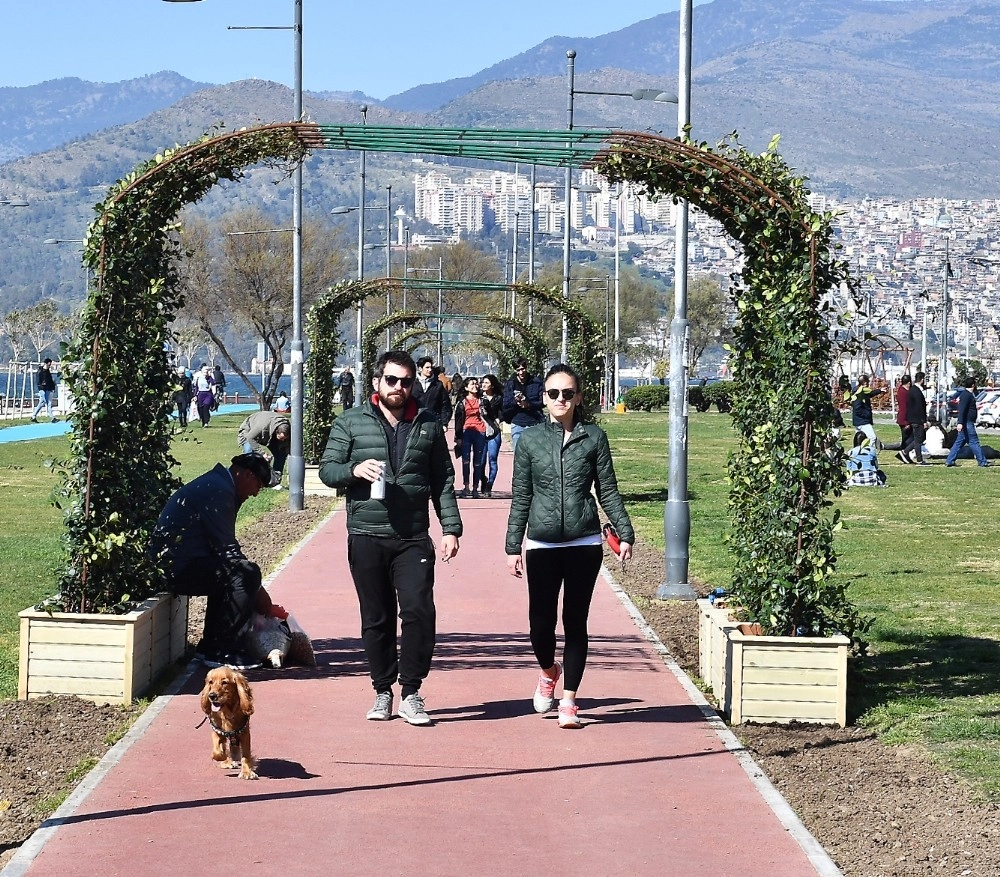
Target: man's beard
394	398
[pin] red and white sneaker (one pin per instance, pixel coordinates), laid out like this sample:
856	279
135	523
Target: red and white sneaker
545	692
568	717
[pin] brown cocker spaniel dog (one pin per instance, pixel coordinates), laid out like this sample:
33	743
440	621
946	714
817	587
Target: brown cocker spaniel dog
227	700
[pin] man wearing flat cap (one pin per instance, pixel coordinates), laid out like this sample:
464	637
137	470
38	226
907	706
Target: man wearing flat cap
195	543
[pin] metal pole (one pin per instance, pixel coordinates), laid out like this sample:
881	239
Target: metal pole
618	374
440	356
568	202
531	248
607	341
388	258
361	258
406	260
923	338
943	365
677	515
513	273
968	332
296	459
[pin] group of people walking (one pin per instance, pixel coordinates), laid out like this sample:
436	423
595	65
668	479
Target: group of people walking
390	455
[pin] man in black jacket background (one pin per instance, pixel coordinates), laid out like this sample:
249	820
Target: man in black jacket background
430	393
522	401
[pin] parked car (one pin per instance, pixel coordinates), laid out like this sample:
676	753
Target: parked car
989	409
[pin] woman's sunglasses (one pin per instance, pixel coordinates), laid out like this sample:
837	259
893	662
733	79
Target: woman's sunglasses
392	380
567	394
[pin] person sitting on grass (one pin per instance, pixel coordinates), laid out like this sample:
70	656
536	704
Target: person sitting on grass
862	464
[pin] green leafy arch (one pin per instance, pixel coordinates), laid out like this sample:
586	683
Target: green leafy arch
786	464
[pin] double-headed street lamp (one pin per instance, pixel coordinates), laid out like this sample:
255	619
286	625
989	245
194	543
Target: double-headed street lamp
655	94
296	460
12	202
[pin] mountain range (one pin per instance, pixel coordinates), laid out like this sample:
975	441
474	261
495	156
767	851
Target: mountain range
870	98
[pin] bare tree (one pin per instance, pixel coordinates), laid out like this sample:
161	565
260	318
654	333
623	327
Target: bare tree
238	276
708	316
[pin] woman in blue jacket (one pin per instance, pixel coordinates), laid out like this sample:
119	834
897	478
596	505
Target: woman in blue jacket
557	465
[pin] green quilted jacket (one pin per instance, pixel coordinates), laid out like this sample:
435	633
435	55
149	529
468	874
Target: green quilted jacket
552	486
425	475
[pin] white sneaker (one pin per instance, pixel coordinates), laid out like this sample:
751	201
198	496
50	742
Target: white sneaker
412	709
382	711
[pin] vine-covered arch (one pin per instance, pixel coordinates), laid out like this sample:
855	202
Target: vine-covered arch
784	468
586	340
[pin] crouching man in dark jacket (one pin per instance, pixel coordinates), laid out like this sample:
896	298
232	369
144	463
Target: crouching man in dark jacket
391	443
195	544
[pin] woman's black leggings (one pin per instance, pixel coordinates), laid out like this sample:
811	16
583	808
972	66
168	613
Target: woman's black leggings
574	569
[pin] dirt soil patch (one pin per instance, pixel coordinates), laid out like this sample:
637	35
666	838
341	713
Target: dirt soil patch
879	811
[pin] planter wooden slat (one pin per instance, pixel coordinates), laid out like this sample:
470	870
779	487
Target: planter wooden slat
103	658
312	486
761	667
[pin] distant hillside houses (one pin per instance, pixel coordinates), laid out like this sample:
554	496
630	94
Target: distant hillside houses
461	200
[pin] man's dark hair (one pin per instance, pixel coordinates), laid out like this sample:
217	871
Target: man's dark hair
48	361
424	360
862	379
396	357
520	363
969	382
904	380
918	377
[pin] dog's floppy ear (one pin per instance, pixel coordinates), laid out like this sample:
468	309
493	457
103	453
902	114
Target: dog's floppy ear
246	694
206	704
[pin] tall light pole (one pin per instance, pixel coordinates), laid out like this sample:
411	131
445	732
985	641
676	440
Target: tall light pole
296	460
86	270
568	202
677	514
944	222
361	248
659	95
618	373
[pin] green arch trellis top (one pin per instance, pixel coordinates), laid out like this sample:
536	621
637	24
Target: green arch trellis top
550	148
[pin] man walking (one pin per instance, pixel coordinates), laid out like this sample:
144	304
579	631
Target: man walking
968	411
430	393
391	456
46	387
522	401
862	418
902	395
916	417
346	385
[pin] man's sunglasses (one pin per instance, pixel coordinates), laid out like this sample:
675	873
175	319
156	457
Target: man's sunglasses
392	380
567	394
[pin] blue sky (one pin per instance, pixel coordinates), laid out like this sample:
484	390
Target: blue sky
378	48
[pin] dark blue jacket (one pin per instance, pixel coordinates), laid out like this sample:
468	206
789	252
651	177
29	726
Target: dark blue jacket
968	410
513	413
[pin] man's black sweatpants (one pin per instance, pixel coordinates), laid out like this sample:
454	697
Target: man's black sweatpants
393	575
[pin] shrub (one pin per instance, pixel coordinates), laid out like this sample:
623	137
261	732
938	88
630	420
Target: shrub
646	398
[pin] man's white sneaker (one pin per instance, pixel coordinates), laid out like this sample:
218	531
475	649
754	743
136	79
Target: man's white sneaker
412	709
382	711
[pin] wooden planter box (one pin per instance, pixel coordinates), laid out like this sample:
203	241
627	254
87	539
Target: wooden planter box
714	625
102	658
312	486
787	679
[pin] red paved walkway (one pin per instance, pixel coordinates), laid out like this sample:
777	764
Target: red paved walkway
645	787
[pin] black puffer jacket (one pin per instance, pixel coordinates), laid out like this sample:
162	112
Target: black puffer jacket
552	482
423	473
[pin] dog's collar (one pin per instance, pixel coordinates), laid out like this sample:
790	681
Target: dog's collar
230	735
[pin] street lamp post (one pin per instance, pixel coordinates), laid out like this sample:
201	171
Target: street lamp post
677	514
86	270
944	222
296	460
568	202
659	95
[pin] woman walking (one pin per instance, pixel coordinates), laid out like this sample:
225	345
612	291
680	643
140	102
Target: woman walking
204	387
492	403
470	436
556	464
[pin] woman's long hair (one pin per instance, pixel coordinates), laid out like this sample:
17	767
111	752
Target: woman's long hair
580	415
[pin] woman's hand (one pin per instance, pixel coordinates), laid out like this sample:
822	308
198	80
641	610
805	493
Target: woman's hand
625	554
514	566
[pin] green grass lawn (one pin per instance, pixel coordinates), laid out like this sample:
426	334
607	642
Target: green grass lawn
920	556
31	527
